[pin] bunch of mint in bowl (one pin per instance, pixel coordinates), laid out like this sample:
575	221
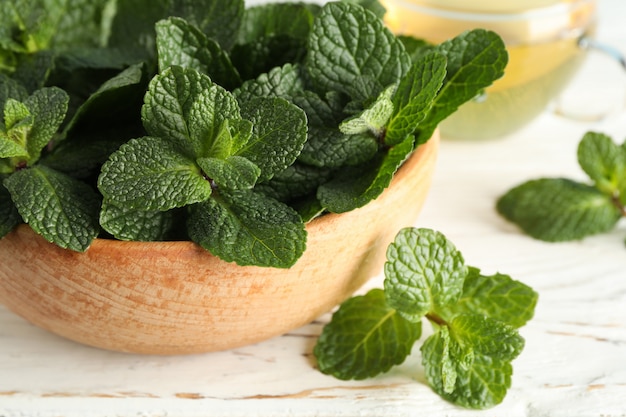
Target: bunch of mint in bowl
210	122
230	131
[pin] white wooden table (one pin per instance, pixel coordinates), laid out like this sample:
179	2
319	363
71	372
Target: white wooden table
574	362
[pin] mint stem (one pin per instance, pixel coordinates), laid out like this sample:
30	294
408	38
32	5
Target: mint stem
436	319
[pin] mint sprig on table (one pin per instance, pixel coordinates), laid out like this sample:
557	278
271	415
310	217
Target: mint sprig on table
562	209
212	122
475	319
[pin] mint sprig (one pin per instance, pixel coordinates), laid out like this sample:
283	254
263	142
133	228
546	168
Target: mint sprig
562	209
475	318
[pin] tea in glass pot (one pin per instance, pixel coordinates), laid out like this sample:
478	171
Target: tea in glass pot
543	41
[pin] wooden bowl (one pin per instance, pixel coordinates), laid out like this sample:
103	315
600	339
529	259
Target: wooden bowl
175	297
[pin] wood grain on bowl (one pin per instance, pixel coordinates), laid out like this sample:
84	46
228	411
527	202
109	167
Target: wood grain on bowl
175	297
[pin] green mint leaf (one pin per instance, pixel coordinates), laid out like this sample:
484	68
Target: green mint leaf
558	209
354	187
480	381
217	19
232	136
270	36
214	113
283	82
276	19
414	96
15	112
34	25
487	336
496	296
278	134
374	118
424	273
135	225
152	174
322	112
248	228
18	123
475	60
8	146
60	208
168	104
132	26
187	108
415	47
9	88
365	338
114	102
372	5
326	145
233	173
352	52
82	156
182	44
448	367
9	216
330	148
48	107
297	180
259	57
604	162
33	71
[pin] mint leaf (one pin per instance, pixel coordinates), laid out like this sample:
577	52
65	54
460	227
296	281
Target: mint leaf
496	296
374	118
372	5
424	272
365	338
13	136
557	209
168	104
34	25
132	26
475	60
297	180
48	107
182	44
487	336
288	19
278	134
233	173
414	96
60	208
604	161
270	36
82	156
329	148
352	52
354	187
324	112
9	216
217	19
480	381
135	225
152	174
207	116
283	82
14	113
248	228
416	47
115	101
9	88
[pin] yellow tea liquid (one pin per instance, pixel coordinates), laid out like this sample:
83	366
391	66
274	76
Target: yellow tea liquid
543	55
